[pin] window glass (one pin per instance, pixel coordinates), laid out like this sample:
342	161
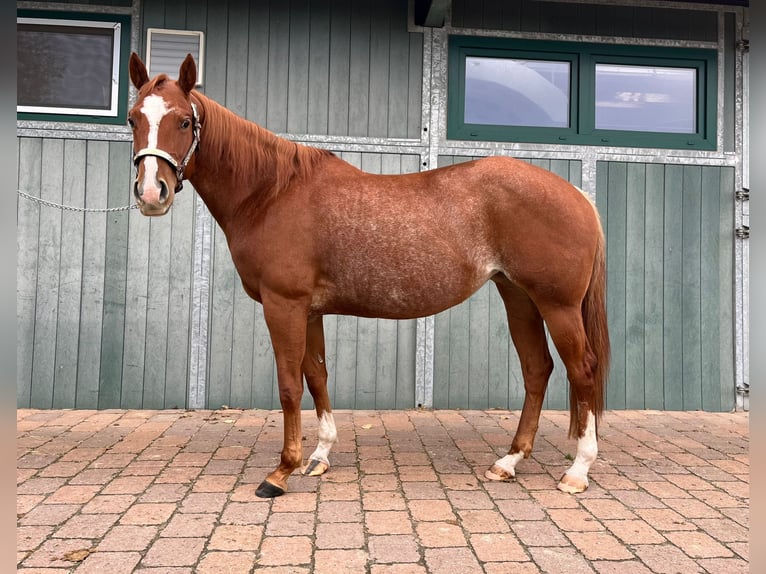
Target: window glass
68	66
516	92
646	98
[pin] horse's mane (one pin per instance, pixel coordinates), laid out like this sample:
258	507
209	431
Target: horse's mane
255	153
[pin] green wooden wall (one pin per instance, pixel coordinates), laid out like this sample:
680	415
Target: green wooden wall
102	299
337	67
670	263
669	300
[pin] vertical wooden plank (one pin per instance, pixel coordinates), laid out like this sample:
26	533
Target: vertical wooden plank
441	360
115	278
415	91
319	68
92	307
499	378
492	15
258	62
359	70
673	288
511	16
654	316
379	70
560	167
279	46
175	14
726	297
616	281
472	15
138	298
49	264
634	286
331	354
158	294
298	67
692	302
179	302
398	72
459	357
710	292
340	65
386	364
264	372
406	342
236	56
346	360
27	234
70	276
478	346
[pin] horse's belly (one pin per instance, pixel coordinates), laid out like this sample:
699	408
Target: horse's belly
393	292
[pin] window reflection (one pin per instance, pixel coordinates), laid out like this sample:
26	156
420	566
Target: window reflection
646	98
514	92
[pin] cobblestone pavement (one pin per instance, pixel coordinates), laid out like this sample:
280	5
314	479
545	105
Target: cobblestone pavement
172	492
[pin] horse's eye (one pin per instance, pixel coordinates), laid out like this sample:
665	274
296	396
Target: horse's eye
185	124
131	123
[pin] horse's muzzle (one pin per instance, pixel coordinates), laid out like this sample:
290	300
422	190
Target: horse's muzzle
152	200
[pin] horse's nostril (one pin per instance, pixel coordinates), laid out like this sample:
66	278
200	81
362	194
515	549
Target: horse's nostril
163	191
137	190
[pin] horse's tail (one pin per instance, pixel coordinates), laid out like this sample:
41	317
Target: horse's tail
597	334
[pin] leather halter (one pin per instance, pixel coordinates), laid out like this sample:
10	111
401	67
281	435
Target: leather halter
179	167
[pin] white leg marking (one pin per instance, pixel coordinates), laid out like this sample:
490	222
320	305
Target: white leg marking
587	450
327	437
509	461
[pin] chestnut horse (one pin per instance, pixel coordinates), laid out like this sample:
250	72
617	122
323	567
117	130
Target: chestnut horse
312	235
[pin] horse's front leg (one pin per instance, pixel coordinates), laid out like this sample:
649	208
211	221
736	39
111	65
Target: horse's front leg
286	320
315	370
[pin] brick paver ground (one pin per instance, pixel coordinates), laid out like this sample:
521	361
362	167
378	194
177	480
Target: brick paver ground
173	492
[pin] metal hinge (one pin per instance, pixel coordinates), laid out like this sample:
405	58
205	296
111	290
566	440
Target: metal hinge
744	45
742	232
742	195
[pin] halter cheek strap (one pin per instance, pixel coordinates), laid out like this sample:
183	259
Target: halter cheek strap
179	167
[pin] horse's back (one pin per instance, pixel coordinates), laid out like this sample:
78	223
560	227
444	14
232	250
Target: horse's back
415	244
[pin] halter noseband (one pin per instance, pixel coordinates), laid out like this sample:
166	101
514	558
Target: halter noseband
179	167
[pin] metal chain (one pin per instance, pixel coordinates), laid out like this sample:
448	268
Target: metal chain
77	209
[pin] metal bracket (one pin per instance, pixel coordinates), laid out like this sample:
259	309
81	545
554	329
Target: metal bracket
742	195
742	232
744	45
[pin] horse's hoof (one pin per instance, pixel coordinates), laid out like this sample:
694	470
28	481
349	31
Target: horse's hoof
498	474
315	468
572	485
268	490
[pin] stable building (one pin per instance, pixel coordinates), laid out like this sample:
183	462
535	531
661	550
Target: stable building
642	104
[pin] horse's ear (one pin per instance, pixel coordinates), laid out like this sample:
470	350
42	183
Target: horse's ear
138	74
187	76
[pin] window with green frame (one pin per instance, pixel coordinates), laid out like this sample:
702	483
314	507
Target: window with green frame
72	66
538	91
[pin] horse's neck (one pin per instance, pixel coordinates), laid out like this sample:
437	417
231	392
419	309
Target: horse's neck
230	170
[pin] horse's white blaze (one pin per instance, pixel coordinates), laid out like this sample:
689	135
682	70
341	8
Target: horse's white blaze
154	108
509	462
587	450
327	437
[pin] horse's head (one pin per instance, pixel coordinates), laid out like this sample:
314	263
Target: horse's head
165	134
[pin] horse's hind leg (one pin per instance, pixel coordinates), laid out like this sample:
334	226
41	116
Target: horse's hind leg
315	371
528	335
568	333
